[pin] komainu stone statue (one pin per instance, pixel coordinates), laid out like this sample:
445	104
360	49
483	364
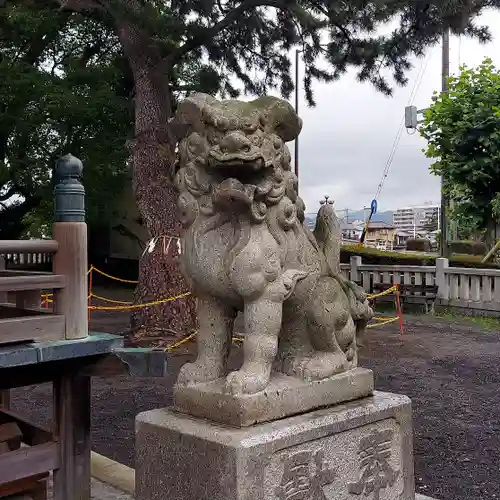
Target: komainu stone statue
245	248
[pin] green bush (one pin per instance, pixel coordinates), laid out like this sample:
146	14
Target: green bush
374	256
468	247
418	245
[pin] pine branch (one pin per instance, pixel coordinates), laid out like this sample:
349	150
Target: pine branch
83	5
207	34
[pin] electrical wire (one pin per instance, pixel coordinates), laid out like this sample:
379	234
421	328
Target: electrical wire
392	154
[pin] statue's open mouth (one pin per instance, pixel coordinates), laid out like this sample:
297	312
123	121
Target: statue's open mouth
238	176
236	161
246	171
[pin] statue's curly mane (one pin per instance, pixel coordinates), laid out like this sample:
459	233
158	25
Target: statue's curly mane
276	201
239	132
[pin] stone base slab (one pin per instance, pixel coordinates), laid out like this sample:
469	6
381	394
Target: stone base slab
356	450
285	396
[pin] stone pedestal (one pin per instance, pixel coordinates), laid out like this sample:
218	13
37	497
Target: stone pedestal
357	450
283	397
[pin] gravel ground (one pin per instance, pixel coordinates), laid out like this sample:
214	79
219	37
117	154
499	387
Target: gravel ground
450	370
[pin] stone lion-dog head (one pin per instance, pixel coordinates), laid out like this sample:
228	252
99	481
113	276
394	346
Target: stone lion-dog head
233	158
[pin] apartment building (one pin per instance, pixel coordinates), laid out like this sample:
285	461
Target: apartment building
414	219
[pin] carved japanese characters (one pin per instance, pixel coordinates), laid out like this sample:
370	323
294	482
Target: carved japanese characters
376	472
245	248
305	474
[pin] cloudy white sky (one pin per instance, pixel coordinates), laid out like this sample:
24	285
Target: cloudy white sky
346	139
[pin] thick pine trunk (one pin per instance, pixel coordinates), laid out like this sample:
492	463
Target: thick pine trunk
153	154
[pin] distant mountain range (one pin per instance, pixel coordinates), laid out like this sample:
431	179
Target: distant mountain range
356	215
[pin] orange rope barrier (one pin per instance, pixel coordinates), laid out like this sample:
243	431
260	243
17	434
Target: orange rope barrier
381	321
123	305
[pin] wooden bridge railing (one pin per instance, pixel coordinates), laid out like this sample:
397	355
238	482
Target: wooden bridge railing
27	260
21	317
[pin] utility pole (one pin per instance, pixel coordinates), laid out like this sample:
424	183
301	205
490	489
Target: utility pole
411	123
444	87
296	155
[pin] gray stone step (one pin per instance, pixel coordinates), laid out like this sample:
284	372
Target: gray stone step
100	491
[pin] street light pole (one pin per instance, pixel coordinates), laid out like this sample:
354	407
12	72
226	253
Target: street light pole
296	155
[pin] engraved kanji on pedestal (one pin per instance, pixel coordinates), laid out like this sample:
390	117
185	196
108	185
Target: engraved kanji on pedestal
305	475
376	472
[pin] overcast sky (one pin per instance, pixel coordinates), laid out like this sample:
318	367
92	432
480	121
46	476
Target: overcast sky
346	139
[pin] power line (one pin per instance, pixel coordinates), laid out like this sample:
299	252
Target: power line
392	154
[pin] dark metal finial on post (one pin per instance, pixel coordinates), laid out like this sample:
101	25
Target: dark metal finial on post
69	192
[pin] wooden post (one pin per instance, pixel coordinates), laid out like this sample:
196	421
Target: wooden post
70	231
3	295
5	399
72	431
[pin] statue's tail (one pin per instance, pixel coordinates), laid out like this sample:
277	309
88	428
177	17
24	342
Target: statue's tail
359	305
328	235
361	311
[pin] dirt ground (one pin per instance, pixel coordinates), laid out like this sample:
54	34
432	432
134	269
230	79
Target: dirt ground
450	370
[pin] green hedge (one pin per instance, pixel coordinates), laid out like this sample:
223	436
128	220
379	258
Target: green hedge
468	247
374	256
419	245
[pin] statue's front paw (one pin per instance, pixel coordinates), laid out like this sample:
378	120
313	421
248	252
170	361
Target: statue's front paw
317	366
243	382
197	372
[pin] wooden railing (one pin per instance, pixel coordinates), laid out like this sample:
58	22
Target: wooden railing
27	260
21	318
463	288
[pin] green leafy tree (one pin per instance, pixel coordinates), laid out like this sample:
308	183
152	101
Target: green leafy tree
61	90
65	86
245	45
462	129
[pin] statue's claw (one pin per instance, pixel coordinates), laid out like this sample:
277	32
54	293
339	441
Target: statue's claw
243	382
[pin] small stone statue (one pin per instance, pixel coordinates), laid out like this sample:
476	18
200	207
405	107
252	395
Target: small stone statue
245	248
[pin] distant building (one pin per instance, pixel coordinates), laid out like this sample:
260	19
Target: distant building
351	231
402	237
380	235
417	219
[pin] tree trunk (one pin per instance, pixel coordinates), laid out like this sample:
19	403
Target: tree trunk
490	234
153	155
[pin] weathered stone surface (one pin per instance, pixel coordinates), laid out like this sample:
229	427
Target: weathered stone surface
283	397
361	449
245	248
